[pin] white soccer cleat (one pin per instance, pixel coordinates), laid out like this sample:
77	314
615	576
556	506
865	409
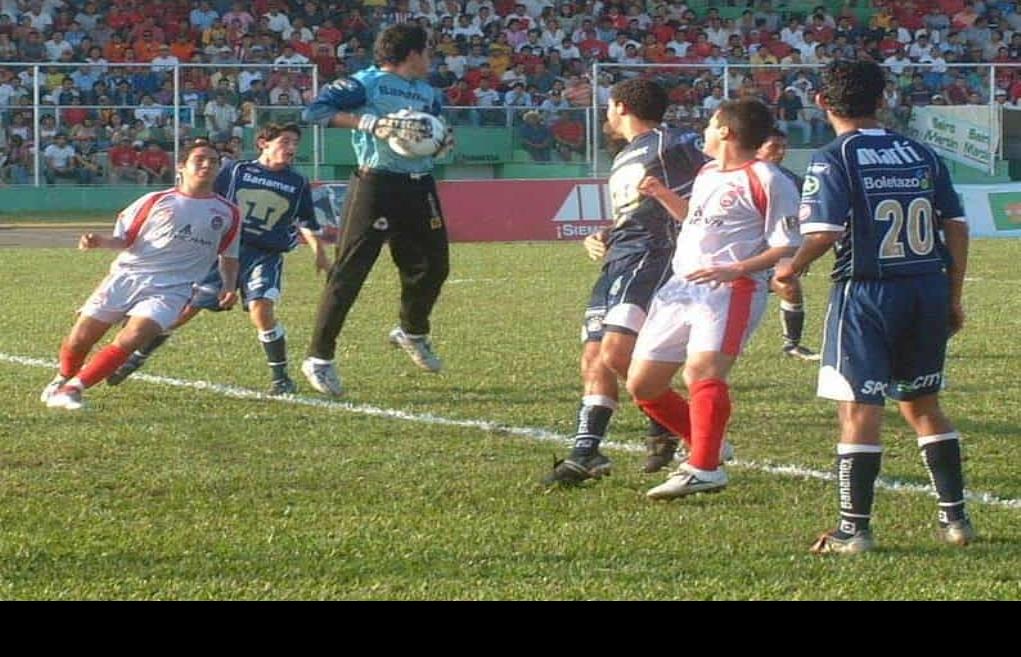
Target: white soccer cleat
68	398
322	377
685	481
52	387
418	348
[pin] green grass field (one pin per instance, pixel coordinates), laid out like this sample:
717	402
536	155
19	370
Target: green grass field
174	489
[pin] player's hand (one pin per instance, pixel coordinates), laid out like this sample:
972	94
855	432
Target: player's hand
653	187
595	245
715	275
956	318
784	272
447	145
89	241
227	299
392	125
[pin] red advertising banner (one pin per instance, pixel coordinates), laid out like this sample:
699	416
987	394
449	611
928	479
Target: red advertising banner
517	210
501	210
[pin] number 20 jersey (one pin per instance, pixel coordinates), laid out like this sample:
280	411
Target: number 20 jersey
889	195
640	223
272	204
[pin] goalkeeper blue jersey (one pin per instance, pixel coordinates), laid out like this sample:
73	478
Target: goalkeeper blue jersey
378	92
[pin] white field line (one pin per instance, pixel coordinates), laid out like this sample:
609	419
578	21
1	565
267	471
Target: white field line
533	433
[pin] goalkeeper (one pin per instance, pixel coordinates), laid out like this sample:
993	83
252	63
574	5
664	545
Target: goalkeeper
389	198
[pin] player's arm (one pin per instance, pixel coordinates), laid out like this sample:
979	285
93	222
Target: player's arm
318	249
675	204
337	104
825	203
310	229
229	267
955	234
93	241
741	268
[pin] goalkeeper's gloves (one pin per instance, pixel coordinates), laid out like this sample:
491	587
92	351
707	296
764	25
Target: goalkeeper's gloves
384	127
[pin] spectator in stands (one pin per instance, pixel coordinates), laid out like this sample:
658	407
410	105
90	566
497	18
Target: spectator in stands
123	161
202	17
569	132
60	160
155	162
16	161
536	137
221	117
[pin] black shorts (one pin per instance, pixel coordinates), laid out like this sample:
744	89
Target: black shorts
621	296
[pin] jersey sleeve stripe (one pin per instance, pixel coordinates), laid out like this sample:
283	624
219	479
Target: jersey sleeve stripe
758	192
235	224
143	213
819	227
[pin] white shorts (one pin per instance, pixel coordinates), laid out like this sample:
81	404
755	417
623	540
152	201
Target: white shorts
121	295
688	317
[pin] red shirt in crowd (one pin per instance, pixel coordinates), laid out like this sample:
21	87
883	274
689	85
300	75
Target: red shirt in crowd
123	155
572	132
153	159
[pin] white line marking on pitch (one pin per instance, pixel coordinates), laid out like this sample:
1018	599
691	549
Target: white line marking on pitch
493	427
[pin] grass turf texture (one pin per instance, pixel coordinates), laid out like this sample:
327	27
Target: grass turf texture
170	493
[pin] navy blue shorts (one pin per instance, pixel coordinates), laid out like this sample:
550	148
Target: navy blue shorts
885	338
260	277
621	296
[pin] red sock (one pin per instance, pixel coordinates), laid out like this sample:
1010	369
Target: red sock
710	410
103	365
70	361
670	410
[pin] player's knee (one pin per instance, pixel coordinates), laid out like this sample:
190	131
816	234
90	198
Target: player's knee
789	291
615	361
643	389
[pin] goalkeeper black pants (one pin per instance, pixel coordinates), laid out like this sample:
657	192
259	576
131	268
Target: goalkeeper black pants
385	207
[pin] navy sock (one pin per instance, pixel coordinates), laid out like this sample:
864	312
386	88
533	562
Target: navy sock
274	343
857	470
593	420
942	456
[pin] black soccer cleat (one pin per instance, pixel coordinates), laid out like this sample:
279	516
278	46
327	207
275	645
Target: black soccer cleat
659	452
284	386
576	469
130	366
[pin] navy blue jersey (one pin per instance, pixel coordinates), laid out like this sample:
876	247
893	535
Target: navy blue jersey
273	204
889	195
640	223
378	92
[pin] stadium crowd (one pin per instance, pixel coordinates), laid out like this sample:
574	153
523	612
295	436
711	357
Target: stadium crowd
499	62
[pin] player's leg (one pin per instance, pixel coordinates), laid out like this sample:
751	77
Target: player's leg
74	349
136	332
261	283
365	228
792	318
420	249
855	372
205	296
600	394
598	403
919	359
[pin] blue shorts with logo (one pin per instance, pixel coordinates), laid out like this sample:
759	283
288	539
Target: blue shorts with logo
885	338
621	296
260	276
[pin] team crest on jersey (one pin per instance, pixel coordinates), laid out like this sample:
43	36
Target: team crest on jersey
729	198
217	222
615	288
811	187
344	83
381	224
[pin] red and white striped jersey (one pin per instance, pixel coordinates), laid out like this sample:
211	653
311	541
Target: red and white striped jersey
737	214
174	238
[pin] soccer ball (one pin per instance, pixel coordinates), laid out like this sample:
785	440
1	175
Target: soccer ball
427	146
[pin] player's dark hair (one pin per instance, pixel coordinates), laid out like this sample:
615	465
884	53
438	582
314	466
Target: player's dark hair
271	131
853	90
749	121
193	145
643	98
397	42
